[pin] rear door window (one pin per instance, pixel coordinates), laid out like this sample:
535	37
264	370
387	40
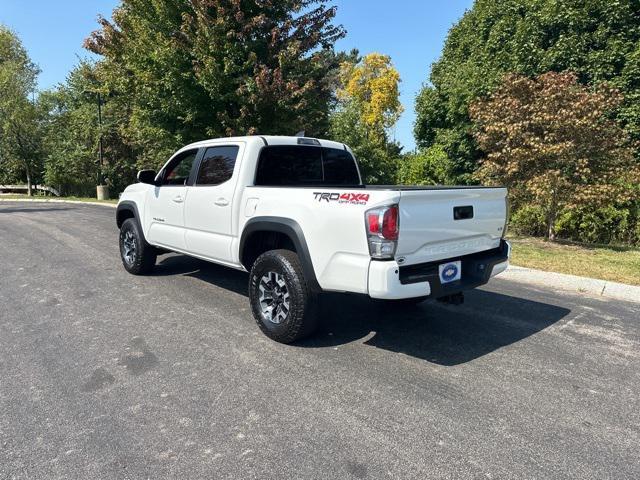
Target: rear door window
305	165
217	165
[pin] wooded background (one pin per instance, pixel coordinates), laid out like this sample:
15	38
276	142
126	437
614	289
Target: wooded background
542	96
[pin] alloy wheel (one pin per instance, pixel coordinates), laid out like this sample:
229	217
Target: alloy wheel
274	297
129	247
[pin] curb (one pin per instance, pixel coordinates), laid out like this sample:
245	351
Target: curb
53	200
572	283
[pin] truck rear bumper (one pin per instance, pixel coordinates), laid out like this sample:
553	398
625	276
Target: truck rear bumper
389	281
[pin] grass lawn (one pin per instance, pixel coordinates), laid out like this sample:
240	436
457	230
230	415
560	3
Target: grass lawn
46	198
618	264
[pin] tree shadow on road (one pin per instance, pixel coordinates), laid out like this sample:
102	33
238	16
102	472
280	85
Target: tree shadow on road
442	334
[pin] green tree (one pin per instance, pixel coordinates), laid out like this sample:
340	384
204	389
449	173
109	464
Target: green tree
184	70
19	120
71	136
430	166
552	142
597	39
368	106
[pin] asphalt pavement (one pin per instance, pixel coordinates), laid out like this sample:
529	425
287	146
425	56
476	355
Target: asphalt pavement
107	375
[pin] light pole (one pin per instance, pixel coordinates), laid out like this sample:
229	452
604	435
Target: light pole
100	150
102	191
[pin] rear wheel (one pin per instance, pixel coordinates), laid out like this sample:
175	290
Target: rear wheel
282	302
138	257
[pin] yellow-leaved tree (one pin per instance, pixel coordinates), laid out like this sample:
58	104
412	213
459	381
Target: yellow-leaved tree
373	84
368	106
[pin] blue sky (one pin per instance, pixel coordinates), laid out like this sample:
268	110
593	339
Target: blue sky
412	32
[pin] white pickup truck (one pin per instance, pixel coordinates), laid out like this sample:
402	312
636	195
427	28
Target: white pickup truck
294	213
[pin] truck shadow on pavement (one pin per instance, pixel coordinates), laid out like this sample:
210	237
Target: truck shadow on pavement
441	334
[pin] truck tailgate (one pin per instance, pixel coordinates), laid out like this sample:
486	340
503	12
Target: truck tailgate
446	223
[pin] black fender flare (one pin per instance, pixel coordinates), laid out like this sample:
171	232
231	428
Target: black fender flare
290	228
127	206
130	206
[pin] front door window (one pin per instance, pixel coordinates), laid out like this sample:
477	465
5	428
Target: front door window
179	169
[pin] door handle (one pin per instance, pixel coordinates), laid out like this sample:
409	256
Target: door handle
178	199
222	202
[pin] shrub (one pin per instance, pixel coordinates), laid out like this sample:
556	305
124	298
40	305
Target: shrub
635	239
529	220
426	167
603	225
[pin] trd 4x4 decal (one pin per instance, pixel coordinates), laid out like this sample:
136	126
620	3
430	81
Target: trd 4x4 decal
348	198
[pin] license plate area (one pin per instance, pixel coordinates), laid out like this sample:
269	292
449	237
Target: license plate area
450	271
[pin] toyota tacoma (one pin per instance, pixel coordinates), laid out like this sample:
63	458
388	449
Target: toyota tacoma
295	214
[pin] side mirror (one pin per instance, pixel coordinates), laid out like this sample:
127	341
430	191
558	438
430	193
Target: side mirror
147	176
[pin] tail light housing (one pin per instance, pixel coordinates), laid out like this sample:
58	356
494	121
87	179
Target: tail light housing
383	228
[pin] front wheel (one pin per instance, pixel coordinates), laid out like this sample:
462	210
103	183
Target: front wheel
282	302
138	257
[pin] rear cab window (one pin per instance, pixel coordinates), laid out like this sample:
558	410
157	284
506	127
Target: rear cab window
301	165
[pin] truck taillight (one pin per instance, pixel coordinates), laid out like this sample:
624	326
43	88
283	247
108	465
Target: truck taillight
383	226
507	214
390	223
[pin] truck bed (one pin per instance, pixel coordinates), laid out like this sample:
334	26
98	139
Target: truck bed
396	188
406	188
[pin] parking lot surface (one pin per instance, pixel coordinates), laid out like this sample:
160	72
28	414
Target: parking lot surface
107	375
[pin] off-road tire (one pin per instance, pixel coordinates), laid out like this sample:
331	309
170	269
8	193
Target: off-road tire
301	319
143	257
